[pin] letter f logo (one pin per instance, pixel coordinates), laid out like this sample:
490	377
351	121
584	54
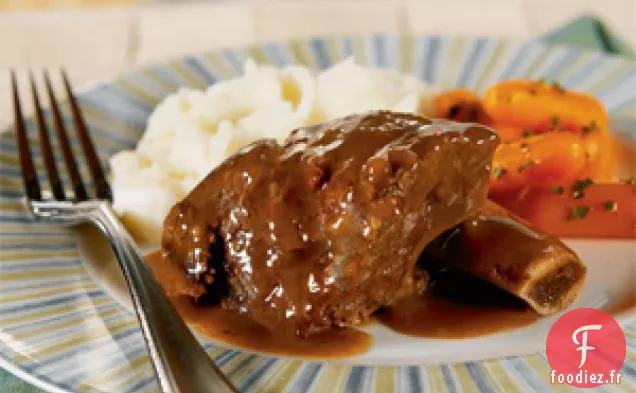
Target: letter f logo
583	344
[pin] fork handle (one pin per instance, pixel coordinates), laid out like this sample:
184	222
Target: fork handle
181	364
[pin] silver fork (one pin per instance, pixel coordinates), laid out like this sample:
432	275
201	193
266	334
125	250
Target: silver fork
181	364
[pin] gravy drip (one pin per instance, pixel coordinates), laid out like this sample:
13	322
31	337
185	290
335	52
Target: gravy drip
240	331
457	306
443	313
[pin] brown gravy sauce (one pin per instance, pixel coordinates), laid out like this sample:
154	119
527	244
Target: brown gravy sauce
240	331
437	318
457	306
432	317
621	305
440	315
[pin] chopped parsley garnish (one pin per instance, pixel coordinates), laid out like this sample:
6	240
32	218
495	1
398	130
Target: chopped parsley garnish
582	184
558	87
532	91
500	172
527	133
558	190
525	166
524	145
579	186
554	122
611	206
578	213
541	80
630	180
592	127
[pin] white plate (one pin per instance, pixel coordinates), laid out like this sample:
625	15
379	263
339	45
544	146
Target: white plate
62	323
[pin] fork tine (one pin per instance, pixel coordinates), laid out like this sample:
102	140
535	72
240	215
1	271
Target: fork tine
29	177
101	185
45	144
62	137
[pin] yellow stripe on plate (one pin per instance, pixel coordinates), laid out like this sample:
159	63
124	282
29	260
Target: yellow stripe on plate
456	49
55	311
235	362
142	368
32	227
156	77
538	60
25	255
219	64
60	325
609	77
543	370
96	116
630	111
488	374
574	66
217	351
80	339
10	276
333	49
192	79
332	378
133	366
283	376
434	379
67	289
51	239
500	377
406	52
296	49
11	184
138	92
464	379
493	60
239	373
257	54
385	379
10	160
359	51
13	206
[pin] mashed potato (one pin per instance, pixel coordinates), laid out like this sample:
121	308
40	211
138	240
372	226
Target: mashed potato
191	132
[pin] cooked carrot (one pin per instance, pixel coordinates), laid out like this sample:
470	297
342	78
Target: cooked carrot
509	133
460	105
540	106
537	160
521	111
601	157
624	152
592	210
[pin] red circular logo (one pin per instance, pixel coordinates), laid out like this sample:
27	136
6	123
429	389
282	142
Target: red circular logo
585	348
